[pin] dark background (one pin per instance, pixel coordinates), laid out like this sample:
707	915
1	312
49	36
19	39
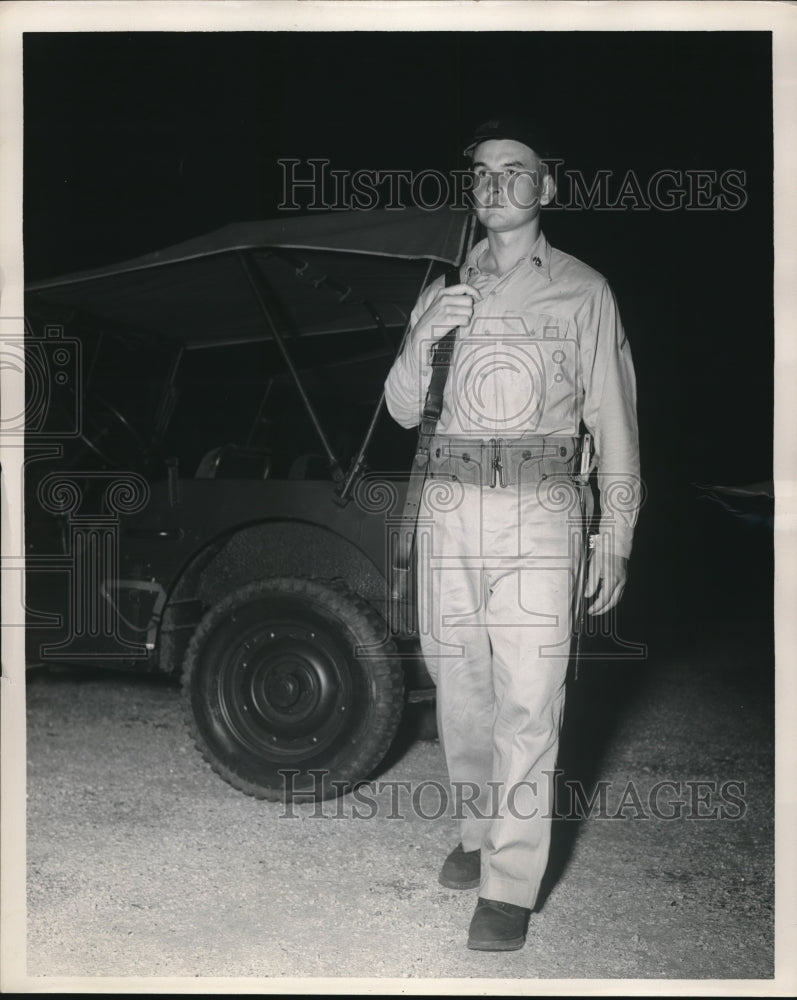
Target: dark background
134	141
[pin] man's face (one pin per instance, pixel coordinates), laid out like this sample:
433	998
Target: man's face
511	184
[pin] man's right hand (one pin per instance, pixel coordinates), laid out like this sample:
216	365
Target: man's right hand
450	307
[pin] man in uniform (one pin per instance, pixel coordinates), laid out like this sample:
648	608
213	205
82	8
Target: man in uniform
540	355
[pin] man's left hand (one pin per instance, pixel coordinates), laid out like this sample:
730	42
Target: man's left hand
606	579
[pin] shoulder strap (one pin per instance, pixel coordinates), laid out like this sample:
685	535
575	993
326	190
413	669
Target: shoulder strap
441	362
402	545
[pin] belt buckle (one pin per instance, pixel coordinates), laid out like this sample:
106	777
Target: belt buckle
496	468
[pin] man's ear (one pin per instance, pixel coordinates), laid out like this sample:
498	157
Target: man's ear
548	191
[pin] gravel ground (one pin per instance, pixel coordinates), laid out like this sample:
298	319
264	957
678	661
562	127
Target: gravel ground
143	863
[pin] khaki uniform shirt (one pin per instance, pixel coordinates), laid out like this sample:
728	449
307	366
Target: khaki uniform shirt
545	350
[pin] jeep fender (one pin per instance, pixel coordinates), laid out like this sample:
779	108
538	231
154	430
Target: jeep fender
252	553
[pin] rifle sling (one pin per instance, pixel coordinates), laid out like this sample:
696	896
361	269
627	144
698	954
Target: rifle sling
432	408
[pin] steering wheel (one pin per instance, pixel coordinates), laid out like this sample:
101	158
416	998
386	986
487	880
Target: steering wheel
102	420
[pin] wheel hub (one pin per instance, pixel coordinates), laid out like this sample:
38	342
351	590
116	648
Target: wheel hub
291	684
282	690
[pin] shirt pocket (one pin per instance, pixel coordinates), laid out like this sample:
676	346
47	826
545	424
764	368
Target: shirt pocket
556	359
556	352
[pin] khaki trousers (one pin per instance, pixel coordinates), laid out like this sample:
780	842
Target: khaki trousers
496	568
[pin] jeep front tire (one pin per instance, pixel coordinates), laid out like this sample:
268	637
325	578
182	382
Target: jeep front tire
292	689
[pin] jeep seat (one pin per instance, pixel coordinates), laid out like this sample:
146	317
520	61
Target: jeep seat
234	461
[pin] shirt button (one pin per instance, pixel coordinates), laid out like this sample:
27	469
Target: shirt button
537	261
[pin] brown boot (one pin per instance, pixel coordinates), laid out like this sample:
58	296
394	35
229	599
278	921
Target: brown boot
461	869
498	926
